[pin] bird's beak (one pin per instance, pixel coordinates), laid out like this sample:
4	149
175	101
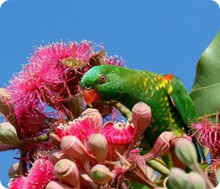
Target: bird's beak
90	96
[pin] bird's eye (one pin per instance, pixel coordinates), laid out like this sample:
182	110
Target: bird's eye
102	79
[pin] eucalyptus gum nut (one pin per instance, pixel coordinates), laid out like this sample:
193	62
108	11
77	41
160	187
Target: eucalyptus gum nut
177	179
74	149
195	181
100	174
99	147
8	134
56	155
57	185
186	152
68	172
6	108
141	117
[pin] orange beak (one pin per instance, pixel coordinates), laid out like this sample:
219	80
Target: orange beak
90	96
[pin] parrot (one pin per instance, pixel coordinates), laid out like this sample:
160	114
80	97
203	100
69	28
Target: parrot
171	106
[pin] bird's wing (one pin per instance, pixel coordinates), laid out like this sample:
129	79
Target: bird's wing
180	99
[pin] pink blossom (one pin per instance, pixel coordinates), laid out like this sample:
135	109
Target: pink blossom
82	127
208	135
118	136
52	76
18	183
39	176
118	133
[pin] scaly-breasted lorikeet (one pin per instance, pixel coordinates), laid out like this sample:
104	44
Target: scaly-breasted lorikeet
171	106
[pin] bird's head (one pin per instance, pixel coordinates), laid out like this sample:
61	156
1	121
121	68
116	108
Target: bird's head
100	83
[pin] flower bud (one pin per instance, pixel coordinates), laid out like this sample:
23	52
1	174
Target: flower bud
195	181
186	152
161	146
177	179
94	117
7	108
14	170
8	134
141	117
56	155
57	185
68	173
99	147
74	149
100	174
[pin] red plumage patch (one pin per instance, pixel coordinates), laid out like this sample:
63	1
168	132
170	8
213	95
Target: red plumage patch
168	77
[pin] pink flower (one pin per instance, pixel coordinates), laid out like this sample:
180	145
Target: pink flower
118	133
83	127
39	176
119	136
208	135
18	183
51	77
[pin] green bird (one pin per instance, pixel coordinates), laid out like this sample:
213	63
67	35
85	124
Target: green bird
171	106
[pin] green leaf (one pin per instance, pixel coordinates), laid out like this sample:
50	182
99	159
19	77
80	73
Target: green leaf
206	89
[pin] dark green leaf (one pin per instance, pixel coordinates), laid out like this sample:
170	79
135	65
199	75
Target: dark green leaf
206	89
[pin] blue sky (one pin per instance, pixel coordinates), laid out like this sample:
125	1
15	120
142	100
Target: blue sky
164	36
